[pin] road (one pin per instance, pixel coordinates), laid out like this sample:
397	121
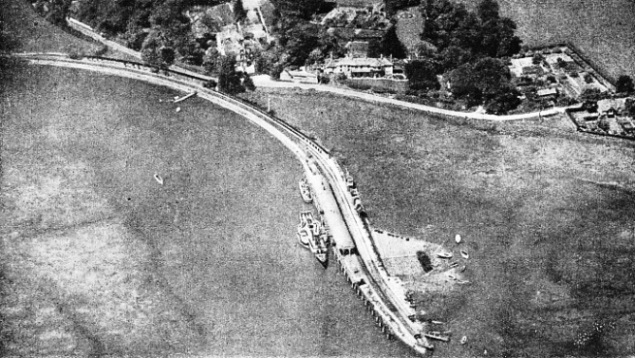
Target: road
303	148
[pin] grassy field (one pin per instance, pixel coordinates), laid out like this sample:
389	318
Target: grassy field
603	30
546	213
34	34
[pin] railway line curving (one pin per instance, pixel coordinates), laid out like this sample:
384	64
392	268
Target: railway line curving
364	269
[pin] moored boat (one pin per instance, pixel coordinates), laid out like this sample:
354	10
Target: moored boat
438	336
444	254
305	191
317	244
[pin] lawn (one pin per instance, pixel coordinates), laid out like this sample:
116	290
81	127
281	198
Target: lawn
546	214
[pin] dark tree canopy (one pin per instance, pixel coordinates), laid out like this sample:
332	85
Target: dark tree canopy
624	84
299	8
483	33
239	10
390	44
229	80
154	51
422	74
486	81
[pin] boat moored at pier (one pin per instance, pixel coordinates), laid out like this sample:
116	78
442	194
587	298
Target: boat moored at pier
305	191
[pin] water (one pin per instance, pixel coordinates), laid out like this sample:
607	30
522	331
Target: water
221	230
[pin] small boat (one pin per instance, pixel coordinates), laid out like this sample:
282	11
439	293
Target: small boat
465	254
349	180
438	336
178	99
437	322
444	255
354	193
457	238
178	109
463	339
305	191
158	178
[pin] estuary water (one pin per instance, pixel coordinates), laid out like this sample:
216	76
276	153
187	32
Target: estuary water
220	231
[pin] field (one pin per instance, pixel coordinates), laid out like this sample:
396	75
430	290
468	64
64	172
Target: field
603	30
32	33
546	214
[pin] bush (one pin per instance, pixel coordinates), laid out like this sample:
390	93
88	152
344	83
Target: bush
425	261
210	84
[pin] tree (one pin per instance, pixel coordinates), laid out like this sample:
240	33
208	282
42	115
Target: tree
155	53
211	61
229	80
488	10
239	10
390	44
422	74
58	11
486	81
624	84
538	58
299	8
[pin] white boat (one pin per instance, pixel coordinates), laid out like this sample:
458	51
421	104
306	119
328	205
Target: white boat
444	255
158	178
463	339
465	254
178	99
305	191
457	238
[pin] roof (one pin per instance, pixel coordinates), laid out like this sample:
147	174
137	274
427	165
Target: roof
360	61
547	92
356	34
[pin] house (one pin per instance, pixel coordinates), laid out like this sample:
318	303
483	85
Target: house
547	93
360	67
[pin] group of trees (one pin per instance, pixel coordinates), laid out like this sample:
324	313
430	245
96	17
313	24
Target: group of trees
467	47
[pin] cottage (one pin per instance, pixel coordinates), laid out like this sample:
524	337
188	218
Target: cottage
547	93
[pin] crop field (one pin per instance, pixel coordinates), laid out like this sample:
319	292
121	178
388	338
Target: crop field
547	215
